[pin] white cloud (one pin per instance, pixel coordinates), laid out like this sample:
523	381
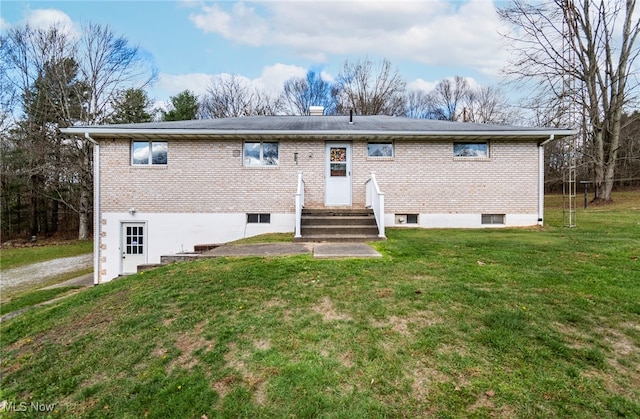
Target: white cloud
436	32
419	84
46	18
243	24
270	80
428	86
172	84
273	77
4	25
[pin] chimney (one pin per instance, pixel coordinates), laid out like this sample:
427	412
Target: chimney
316	110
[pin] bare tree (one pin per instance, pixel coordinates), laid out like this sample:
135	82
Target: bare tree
580	53
303	92
267	104
38	68
448	97
488	105
370	89
63	81
227	96
419	104
108	63
232	96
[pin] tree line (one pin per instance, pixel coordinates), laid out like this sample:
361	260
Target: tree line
562	55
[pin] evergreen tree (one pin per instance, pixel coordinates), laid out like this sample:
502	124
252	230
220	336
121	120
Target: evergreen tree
184	107
130	106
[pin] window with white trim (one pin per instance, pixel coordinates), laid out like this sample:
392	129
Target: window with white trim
260	153
146	153
380	149
477	150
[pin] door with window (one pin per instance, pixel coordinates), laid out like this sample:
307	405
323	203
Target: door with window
133	247
337	189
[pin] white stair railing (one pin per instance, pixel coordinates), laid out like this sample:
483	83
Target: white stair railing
375	201
299	204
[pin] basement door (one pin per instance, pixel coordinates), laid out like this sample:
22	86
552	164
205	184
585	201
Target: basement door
337	186
133	247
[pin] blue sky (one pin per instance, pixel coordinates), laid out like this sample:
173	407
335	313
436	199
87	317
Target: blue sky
268	42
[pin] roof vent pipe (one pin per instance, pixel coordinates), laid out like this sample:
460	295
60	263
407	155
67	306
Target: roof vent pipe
351	116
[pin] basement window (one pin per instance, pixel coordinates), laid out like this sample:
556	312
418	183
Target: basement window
492	218
259	218
406	218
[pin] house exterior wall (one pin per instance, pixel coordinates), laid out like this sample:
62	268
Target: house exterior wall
204	192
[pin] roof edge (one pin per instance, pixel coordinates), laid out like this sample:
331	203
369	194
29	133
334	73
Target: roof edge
537	133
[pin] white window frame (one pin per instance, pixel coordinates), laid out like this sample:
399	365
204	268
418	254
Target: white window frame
262	162
150	144
467	157
388	143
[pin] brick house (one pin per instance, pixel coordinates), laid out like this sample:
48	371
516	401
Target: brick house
163	187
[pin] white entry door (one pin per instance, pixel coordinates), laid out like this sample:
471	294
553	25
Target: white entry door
337	188
134	246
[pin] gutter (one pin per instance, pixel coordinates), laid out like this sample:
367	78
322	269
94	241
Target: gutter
96	209
211	132
541	179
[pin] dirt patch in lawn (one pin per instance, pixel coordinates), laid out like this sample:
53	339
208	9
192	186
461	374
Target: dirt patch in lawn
404	325
257	382
328	312
187	343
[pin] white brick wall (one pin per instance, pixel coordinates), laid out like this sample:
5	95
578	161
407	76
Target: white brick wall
209	176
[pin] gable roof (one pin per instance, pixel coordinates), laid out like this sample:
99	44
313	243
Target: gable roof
379	127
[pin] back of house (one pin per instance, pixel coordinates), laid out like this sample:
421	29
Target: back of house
163	187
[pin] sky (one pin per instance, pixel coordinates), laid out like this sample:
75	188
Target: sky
268	42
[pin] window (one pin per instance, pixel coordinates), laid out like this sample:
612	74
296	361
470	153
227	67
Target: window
149	152
260	154
135	240
492	218
259	218
380	149
406	218
471	150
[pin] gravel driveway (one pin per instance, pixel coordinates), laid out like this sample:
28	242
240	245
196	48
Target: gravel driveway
40	272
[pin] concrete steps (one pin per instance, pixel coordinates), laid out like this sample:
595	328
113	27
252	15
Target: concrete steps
338	225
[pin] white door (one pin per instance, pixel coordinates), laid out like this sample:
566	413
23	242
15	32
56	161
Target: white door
133	247
337	188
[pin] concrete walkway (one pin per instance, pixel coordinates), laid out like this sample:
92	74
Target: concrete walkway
81	281
321	250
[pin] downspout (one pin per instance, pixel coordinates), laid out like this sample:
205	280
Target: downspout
96	209
541	179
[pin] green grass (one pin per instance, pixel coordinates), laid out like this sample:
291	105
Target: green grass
540	322
32	298
15	257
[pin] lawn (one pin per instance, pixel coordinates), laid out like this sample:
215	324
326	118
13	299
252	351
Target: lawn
20	256
540	322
